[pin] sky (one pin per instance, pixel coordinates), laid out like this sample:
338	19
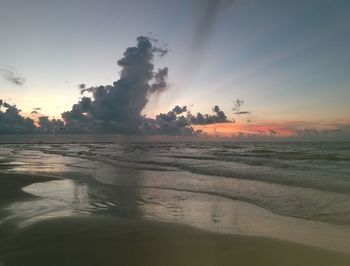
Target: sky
288	60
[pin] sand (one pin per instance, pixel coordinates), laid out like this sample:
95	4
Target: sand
101	240
108	241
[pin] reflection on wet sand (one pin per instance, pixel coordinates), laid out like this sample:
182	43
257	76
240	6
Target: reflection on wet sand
212	213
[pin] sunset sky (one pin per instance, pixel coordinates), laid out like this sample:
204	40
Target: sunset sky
288	60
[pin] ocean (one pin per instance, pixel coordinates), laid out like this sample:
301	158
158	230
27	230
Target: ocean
291	191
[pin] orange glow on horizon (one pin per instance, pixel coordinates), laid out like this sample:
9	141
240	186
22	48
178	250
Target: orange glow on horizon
268	127
230	129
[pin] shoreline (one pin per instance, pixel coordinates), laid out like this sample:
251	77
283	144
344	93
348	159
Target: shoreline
100	239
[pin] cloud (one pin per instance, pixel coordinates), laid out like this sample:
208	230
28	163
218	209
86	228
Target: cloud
11	75
171	123
208	12
237	108
160	83
179	121
117	108
174	122
200	119
82	88
11	122
50	126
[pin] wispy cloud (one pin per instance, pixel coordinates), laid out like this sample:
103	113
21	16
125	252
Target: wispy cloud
11	75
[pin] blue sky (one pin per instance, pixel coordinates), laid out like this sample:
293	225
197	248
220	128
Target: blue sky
289	60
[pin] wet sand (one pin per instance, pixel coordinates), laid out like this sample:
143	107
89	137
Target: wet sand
108	241
101	240
11	186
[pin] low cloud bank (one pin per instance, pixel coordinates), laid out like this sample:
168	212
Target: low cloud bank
179	121
12	122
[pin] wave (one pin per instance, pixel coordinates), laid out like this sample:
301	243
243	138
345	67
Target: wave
208	160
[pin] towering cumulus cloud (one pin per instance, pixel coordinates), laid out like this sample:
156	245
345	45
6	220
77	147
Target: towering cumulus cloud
117	108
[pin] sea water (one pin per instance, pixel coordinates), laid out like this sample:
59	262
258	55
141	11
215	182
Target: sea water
292	191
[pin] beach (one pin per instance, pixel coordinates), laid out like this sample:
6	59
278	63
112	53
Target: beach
60	209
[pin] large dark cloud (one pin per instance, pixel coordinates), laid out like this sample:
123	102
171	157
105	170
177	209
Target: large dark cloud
117	108
11	75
